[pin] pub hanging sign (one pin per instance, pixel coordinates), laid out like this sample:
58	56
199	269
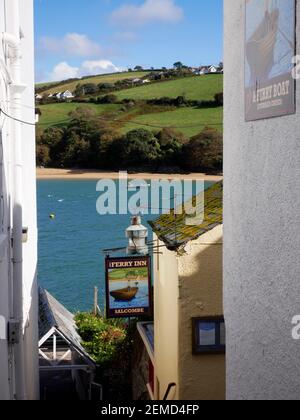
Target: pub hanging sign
270	46
128	287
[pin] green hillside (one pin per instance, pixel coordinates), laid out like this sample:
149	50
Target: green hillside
190	121
194	88
111	78
58	114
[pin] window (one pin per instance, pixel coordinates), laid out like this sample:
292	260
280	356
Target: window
209	335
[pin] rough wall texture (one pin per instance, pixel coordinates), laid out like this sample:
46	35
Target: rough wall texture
140	371
200	294
262	241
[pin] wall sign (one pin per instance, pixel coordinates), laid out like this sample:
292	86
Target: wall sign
270	46
128	287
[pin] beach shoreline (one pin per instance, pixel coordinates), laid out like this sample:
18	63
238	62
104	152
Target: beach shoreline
82	174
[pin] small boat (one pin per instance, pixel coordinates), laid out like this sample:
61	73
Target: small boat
125	295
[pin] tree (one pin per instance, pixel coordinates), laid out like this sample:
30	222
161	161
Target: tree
108	99
178	65
171	143
219	98
138	68
204	152
135	149
86	89
42	155
88	133
106	86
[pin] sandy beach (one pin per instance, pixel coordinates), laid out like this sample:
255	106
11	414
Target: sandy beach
48	173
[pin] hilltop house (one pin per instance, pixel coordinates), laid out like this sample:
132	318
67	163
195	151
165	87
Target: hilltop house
213	69
19	375
61	96
182	354
209	70
204	70
66	95
137	81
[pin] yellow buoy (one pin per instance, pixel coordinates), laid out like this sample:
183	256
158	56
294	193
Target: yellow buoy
52	216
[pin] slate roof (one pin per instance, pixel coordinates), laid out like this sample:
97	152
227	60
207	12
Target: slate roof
177	231
52	314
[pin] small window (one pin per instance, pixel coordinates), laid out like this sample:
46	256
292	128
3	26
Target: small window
209	335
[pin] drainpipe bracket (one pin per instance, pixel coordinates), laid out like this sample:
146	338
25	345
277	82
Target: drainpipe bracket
14	331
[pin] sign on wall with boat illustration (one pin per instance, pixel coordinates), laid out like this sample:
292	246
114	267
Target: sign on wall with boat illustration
270	46
128	287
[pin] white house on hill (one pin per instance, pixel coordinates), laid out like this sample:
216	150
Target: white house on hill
66	95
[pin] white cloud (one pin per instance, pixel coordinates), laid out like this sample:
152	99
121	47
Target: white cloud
64	71
98	67
72	44
149	11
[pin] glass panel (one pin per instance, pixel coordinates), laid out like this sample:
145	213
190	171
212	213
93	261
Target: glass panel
207	334
222	334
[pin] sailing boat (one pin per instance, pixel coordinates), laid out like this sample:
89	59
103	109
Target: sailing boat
260	47
129	293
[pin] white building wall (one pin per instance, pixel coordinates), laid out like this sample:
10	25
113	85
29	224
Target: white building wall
30	329
262	241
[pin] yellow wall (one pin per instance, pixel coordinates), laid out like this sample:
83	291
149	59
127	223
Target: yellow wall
201	377
185	287
166	322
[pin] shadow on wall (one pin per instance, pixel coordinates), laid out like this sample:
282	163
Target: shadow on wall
201	294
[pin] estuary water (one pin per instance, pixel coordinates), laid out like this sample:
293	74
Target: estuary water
71	261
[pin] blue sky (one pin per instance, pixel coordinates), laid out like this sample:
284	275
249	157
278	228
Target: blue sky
82	37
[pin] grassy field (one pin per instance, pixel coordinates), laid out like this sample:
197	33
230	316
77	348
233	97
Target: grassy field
194	88
58	114
189	121
111	78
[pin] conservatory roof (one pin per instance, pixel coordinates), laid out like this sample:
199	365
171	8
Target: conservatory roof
53	315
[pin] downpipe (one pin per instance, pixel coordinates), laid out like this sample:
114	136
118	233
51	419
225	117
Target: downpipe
16	89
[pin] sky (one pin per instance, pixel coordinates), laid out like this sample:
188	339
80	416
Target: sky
76	38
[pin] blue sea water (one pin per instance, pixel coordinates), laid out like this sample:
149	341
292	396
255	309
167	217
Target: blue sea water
71	261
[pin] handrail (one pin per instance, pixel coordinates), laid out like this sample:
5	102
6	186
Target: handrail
170	387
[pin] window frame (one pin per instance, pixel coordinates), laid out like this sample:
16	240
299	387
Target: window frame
199	349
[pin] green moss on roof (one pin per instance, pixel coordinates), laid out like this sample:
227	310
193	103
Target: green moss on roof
177	230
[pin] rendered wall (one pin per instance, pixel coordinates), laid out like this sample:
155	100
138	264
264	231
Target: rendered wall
201	377
6	372
262	241
29	205
30	308
185	287
166	322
